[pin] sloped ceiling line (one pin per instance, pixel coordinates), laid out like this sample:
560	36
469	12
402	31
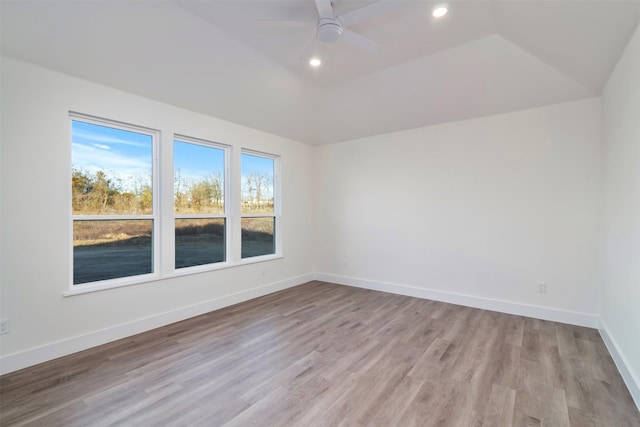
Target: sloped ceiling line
484	58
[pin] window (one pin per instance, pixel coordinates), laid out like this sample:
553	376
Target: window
113	200
199	205
259	222
119	234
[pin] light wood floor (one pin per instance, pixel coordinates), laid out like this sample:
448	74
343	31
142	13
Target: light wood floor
323	354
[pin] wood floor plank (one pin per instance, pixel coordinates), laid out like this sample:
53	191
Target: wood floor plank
515	331
328	355
393	408
499	408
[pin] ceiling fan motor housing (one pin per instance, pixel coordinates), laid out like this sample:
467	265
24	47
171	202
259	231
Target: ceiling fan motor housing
329	30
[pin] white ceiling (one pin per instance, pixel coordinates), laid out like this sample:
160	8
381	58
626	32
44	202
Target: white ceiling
219	58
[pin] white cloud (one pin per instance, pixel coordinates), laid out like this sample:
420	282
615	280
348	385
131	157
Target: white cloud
131	171
83	136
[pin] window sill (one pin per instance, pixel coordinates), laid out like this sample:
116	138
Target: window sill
109	284
187	271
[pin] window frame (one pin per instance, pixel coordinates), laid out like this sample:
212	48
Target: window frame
155	218
226	215
163	214
276	208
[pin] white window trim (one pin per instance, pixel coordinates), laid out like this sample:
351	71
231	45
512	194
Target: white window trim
277	204
233	212
228	208
155	134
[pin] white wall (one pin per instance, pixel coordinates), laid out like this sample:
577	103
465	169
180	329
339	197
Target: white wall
475	212
35	229
620	272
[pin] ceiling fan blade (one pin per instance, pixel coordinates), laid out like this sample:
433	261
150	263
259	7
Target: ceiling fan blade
358	41
275	25
324	9
369	11
309	50
283	23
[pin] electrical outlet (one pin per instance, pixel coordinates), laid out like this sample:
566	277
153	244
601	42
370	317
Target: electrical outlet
542	287
5	326
264	271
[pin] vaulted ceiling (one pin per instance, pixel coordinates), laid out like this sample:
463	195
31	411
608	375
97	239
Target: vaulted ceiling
226	59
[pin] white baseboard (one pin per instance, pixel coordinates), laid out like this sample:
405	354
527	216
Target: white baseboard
15	361
33	356
538	312
630	378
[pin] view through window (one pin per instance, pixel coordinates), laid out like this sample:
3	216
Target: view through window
199	203
258	208
118	236
112	201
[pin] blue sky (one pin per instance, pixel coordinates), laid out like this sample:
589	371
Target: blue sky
263	165
197	162
122	154
252	163
128	156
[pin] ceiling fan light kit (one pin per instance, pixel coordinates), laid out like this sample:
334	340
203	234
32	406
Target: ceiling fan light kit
332	28
329	30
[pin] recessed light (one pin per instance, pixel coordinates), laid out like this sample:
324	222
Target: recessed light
440	10
315	62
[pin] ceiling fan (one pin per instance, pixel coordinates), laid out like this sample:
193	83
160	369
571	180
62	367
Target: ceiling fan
331	28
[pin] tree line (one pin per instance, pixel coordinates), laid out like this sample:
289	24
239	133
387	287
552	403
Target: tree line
98	193
102	193
257	192
204	195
